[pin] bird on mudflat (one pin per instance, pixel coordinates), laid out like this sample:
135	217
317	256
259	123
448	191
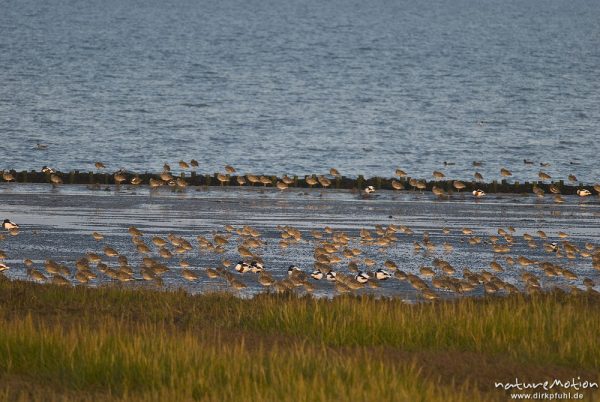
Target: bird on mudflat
362	277
242	267
583	193
367	192
382	275
317	274
8	225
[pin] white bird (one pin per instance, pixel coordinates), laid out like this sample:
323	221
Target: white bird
242	267
369	190
331	276
382	275
3	267
478	193
292	269
362	277
317	274
8	225
256	266
583	193
47	169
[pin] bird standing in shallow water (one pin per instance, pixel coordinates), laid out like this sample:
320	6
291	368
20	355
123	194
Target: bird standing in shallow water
242	267
583	193
8	225
368	191
189	275
362	277
317	274
55	179
459	185
382	275
256	266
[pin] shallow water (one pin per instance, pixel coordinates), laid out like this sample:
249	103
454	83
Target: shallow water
296	87
57	224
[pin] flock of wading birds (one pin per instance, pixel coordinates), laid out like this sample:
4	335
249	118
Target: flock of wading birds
337	259
166	178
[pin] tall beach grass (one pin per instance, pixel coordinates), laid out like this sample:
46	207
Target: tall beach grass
112	343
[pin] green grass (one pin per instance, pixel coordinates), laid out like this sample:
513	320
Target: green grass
133	344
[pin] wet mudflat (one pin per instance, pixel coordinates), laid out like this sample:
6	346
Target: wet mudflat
56	223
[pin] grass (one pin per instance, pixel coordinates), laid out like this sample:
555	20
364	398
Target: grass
114	343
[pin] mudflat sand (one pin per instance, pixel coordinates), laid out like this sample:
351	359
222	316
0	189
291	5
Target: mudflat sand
56	223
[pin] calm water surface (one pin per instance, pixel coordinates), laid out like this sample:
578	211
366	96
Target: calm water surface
300	86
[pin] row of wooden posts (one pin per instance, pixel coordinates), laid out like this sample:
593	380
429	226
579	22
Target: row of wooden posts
340	182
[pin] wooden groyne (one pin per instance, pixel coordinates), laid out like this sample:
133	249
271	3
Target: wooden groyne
196	179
